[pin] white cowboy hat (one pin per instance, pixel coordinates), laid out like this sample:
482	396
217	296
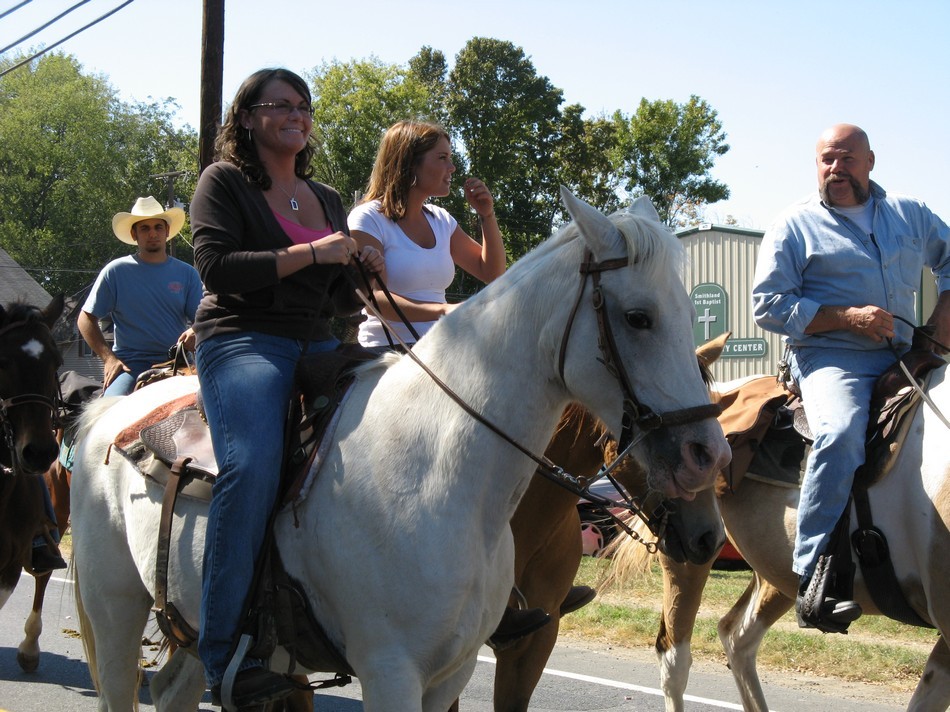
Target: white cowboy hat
144	209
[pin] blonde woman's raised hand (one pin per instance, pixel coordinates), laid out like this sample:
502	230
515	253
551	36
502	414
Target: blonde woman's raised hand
479	197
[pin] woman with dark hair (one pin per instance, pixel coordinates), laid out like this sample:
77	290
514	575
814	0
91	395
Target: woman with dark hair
271	247
421	243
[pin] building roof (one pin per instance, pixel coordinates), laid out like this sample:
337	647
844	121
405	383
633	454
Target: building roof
733	229
17	285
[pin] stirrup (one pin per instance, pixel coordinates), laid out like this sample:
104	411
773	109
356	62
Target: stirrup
816	607
227	682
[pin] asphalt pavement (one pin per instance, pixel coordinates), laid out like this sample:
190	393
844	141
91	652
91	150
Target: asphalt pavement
578	679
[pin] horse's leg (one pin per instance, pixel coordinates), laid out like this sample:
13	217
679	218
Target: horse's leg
113	608
443	695
933	690
548	548
520	667
741	631
116	623
179	685
28	652
394	688
683	586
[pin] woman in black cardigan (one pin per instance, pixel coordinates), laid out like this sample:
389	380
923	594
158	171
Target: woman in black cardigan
271	246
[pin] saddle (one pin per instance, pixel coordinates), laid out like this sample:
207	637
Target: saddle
171	447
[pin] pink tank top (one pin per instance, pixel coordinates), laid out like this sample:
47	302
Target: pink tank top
299	234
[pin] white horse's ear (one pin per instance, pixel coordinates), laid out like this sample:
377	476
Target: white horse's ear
643	207
602	236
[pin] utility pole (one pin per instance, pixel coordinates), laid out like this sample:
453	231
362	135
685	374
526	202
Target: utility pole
169	196
212	72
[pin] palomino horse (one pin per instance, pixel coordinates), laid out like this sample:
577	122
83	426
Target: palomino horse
911	506
29	359
410	599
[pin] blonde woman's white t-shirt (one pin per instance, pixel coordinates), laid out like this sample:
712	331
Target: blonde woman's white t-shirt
418	273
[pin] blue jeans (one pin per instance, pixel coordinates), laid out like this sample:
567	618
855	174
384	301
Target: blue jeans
39	540
124	383
836	387
246	383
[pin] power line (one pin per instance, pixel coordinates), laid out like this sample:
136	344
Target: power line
14	8
68	37
43	27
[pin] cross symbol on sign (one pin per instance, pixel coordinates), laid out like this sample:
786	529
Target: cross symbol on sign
706	319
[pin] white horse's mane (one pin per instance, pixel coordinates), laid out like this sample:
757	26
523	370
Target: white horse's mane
91	412
650	245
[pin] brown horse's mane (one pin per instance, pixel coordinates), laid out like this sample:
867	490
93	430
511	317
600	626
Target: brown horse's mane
581	421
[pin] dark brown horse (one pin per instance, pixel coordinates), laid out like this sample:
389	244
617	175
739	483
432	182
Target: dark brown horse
29	360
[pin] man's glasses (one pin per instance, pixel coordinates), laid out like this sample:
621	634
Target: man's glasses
283	108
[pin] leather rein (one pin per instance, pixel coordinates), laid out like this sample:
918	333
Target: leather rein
6	404
635	414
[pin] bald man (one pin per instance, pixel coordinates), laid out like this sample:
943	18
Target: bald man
833	272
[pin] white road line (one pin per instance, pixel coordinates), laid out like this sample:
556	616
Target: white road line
626	686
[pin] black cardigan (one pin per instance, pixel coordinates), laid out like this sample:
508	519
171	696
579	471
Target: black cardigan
235	236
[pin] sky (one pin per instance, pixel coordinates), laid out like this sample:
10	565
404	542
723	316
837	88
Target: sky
777	73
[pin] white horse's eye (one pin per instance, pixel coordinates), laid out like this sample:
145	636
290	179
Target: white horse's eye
638	319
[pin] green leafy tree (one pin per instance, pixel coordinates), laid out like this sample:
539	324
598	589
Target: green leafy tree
666	150
429	68
506	117
354	103
583	159
71	156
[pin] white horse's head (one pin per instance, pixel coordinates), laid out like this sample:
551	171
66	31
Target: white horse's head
635	266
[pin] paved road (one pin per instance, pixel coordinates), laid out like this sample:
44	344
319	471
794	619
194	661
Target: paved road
578	680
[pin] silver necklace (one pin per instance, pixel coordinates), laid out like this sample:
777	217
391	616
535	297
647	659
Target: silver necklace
293	198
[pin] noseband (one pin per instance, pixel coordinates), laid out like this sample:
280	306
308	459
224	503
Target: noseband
6	404
635	414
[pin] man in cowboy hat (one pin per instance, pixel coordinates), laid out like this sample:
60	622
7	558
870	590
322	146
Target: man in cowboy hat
150	296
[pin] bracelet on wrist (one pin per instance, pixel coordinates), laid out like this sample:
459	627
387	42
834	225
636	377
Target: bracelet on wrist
313	251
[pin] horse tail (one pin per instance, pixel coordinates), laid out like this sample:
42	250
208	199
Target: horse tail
85	632
630	559
91	412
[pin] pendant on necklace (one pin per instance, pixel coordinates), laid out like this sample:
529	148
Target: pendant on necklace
293	204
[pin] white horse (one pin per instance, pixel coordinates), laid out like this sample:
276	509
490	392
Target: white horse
425	573
911	506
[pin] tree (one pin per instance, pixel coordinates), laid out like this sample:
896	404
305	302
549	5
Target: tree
429	68
666	150
506	117
583	159
354	103
71	156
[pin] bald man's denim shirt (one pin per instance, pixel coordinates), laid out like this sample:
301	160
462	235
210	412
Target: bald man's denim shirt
814	255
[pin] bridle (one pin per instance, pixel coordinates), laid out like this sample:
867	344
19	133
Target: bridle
635	414
21	399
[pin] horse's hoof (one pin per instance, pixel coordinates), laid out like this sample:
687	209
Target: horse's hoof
28	663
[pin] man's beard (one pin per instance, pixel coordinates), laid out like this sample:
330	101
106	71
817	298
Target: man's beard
860	194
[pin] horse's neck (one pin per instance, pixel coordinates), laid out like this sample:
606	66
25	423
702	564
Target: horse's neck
498	367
